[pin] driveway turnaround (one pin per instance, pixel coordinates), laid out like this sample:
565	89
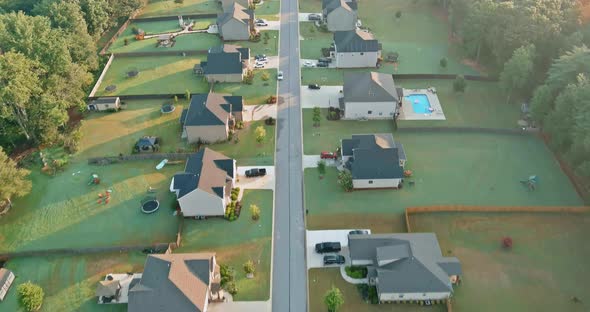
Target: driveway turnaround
315	260
266	182
325	97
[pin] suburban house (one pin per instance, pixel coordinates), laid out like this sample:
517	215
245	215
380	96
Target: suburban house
235	23
405	267
374	160
354	49
204	188
340	15
176	282
370	95
210	117
226	4
6	279
227	63
104	103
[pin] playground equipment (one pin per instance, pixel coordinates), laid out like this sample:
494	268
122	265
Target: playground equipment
94	179
162	164
531	182
149	204
408	173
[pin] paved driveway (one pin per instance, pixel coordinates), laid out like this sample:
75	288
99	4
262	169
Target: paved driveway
325	97
239	306
266	182
311	161
303	17
272	62
315	260
272	25
259	112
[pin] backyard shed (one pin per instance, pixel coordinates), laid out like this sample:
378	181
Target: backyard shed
147	144
105	103
6	279
109	289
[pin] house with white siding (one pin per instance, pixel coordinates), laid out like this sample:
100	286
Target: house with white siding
355	49
340	15
374	160
204	188
405	267
370	95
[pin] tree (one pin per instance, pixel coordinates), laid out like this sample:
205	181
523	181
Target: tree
255	212
443	62
541	103
96	15
260	134
398	14
30	296
13	180
333	299
265	76
459	84
518	70
322	167
249	267
316	116
187	95
345	180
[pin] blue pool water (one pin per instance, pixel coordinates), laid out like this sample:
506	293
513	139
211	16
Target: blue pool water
420	103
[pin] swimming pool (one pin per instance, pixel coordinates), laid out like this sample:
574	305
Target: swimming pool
420	103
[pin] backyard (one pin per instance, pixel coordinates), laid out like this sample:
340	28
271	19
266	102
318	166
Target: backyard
187	42
171	8
237	242
157	75
256	93
448	169
545	268
70	282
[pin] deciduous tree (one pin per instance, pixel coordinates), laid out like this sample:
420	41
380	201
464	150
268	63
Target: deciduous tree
518	70
14	181
333	299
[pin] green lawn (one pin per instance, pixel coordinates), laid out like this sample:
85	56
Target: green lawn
256	93
270	48
247	151
313	40
171	8
189	42
237	242
69	282
157	75
321	280
449	169
310	6
545	268
269	7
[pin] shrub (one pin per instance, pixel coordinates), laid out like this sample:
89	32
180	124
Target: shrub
324	27
459	84
265	76
260	134
126	41
373	297
234	197
240	125
176	99
187	95
231	288
356	271
72	140
135	30
271	99
322	167
249	267
255	211
269	121
398	14
30	296
249	77
443	62
345	180
227	274
179	1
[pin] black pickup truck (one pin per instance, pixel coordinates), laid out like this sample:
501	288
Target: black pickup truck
255	172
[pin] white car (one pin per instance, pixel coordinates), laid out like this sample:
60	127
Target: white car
262	61
308	64
280	75
258	65
261	24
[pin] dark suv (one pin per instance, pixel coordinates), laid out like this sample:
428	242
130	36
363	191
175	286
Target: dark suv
326	247
334	259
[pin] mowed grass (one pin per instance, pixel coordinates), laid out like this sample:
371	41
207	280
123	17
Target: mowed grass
544	269
256	93
187	42
448	169
321	280
157	75
270	48
237	242
247	151
69	282
313	40
171	8
268	7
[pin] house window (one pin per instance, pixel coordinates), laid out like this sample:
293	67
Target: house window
369	112
380	113
401	296
106	105
362	53
370	181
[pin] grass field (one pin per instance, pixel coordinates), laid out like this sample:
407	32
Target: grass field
449	169
171	8
247	151
157	75
545	268
313	40
237	242
69	282
256	93
321	280
269	7
270	48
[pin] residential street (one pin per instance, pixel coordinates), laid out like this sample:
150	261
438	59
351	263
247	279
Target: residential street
289	274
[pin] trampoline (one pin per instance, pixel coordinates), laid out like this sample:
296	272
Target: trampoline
150	205
167	108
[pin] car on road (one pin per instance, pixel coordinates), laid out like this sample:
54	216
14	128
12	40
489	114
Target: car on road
334	259
255	172
259	65
314	86
314	17
328	155
327	247
280	75
261	24
308	64
358	232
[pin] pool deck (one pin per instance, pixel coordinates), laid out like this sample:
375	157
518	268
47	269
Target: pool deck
407	111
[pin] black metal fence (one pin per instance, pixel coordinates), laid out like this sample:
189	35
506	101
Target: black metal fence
122	158
174	17
443	76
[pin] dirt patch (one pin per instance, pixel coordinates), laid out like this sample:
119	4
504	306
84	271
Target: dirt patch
475	65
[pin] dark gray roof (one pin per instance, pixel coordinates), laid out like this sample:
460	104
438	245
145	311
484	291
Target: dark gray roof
206	109
376	164
146	141
183	115
419	265
355	41
185	183
367	141
369	87
330	5
225	60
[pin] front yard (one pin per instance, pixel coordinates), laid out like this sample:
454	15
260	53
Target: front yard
270	48
256	93
247	151
237	242
313	40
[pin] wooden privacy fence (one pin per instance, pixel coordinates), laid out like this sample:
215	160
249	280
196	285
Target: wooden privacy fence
79	251
502	209
174	17
161	53
107	160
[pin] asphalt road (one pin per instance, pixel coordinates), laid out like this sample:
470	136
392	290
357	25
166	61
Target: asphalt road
289	278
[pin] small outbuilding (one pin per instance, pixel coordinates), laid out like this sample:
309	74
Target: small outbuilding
6	279
147	144
105	103
109	290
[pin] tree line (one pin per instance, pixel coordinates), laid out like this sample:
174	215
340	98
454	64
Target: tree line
539	51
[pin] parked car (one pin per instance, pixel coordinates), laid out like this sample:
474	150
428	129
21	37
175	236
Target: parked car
334	259
322	64
262	61
326	247
314	17
260	57
358	232
259	20
308	64
328	155
255	172
314	86
259	65
261	24
325	60
280	75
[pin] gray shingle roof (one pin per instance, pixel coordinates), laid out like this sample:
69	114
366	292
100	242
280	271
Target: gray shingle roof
330	5
209	109
227	59
367	141
235	11
369	87
105	100
376	164
355	41
207	170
